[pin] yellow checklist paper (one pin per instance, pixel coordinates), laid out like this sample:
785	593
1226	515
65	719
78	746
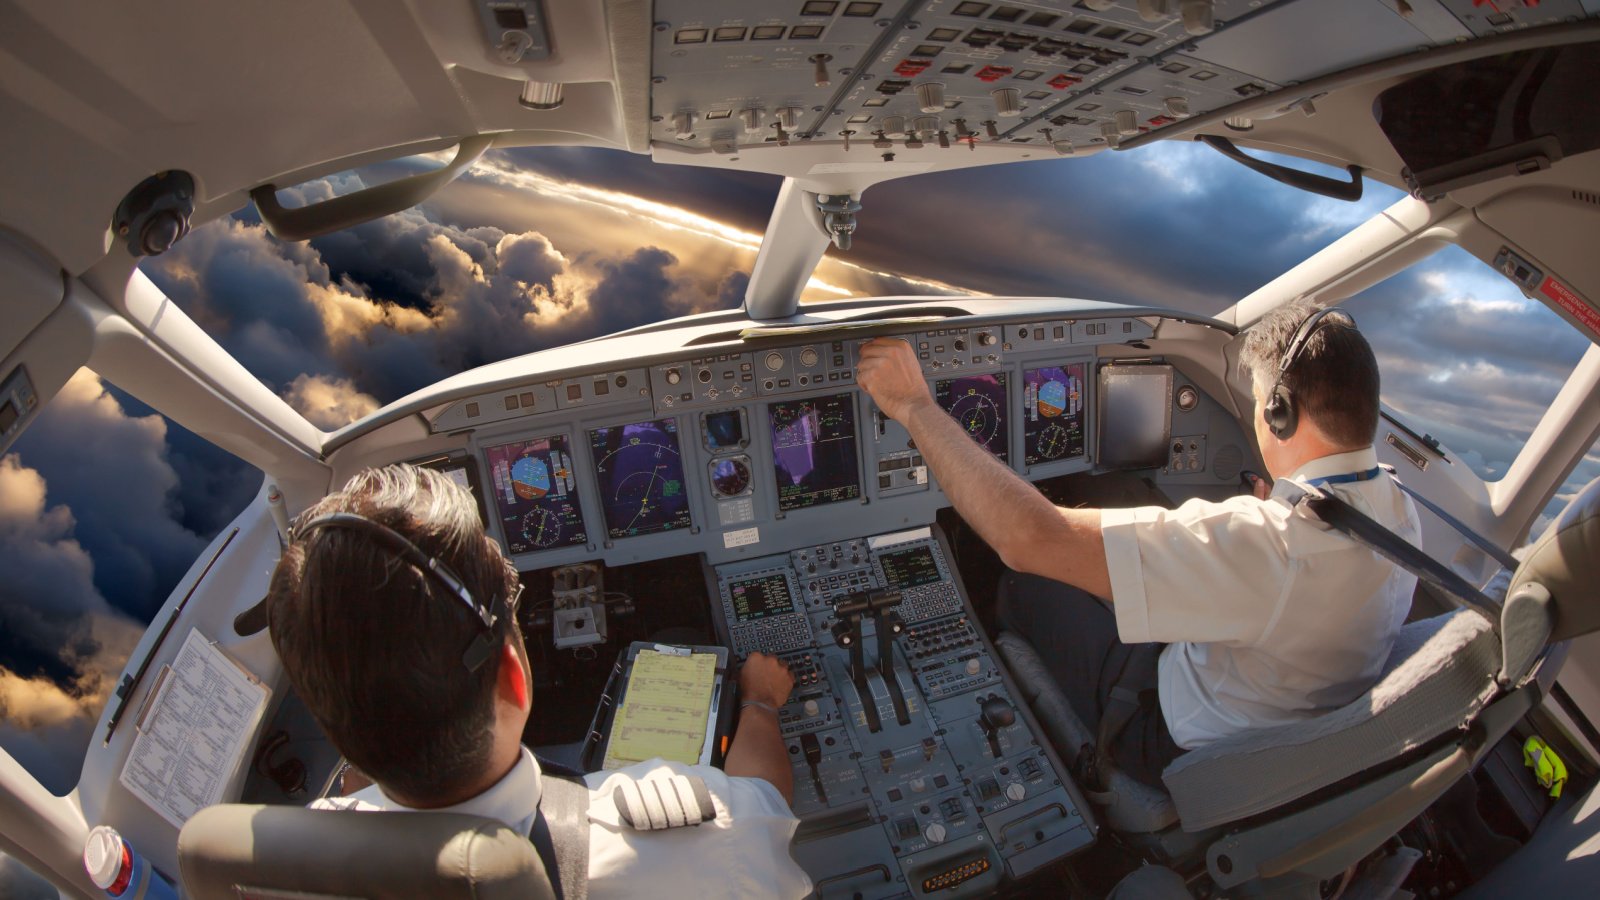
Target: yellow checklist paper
664	710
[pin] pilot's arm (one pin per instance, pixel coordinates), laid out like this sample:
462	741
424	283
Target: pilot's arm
758	750
1030	533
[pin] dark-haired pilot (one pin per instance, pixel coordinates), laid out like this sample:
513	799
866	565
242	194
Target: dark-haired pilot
1268	616
375	649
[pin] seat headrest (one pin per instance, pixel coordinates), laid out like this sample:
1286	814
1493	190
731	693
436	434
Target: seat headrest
1565	562
292	851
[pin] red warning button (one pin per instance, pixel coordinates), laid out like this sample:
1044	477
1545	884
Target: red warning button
1572	303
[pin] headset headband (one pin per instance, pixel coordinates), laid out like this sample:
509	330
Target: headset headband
1302	336
484	615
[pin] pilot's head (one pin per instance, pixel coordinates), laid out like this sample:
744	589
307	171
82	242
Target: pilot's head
375	647
1325	400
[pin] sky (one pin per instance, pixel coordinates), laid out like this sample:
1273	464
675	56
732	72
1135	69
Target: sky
104	503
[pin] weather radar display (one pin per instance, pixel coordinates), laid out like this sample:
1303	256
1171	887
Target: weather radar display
814	451
1052	413
640	475
536	494
978	402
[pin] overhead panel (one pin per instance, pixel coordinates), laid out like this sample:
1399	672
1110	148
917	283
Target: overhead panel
1076	74
729	74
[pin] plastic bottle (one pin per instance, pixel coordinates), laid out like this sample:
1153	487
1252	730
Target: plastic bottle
116	868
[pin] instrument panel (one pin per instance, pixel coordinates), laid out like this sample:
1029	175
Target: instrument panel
917	771
735	454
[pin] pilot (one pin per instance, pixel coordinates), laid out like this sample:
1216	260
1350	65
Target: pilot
1267	616
374	646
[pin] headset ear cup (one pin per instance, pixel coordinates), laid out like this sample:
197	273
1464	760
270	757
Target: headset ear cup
1280	414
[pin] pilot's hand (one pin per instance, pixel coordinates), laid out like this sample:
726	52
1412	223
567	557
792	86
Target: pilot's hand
889	372
765	679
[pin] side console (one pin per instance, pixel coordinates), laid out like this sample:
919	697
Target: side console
917	768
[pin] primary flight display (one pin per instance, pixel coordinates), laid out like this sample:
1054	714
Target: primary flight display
536	494
1052	413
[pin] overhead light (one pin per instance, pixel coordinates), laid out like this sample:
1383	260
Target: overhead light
541	95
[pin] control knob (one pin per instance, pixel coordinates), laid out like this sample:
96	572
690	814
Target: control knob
812	709
973	666
1015	791
808	357
674	376
774	361
935	833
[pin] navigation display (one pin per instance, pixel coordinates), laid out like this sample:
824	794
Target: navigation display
814	451
909	568
978	402
1052	413
760	597
536	494
640	474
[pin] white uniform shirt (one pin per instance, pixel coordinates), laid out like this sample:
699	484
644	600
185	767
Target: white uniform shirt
1270	615
744	853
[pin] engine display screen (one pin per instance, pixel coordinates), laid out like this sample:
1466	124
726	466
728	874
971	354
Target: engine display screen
1052	413
760	597
978	402
1135	416
640	475
814	456
536	494
909	568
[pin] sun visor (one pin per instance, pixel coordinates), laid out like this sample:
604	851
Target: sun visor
1495	117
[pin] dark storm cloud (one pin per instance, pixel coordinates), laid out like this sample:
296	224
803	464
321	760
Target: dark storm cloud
112	472
1170	225
742	199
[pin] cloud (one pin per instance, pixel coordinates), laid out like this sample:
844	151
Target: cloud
62	645
329	403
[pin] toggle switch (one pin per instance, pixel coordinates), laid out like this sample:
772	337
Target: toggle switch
683	125
789	117
819	76
1007	103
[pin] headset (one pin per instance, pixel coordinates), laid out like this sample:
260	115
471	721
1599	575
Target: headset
484	615
1279	413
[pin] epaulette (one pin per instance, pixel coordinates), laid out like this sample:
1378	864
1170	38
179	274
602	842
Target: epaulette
659	803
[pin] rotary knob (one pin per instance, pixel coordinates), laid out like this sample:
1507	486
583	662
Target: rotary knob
774	361
674	376
973	666
1015	791
808	357
935	833
812	709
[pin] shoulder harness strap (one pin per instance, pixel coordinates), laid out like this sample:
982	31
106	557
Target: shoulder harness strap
561	835
1343	517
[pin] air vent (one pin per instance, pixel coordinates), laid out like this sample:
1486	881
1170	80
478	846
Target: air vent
1228	462
1585	197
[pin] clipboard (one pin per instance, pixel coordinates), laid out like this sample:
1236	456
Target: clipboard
617	744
